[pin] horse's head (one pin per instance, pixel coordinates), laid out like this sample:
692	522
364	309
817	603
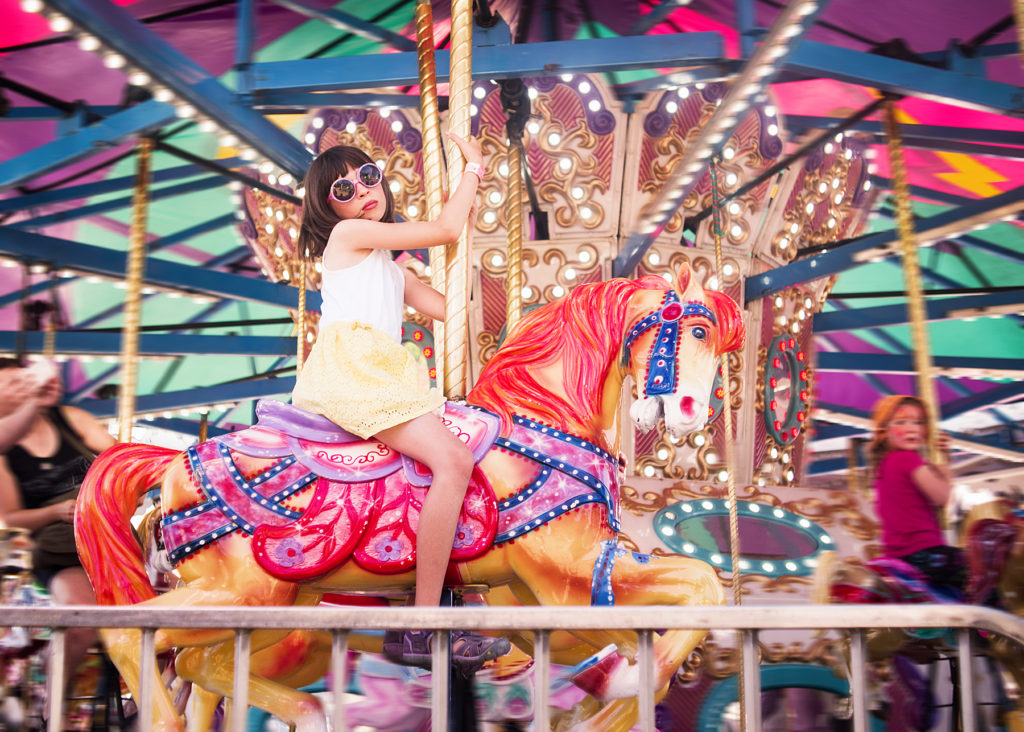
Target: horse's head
672	350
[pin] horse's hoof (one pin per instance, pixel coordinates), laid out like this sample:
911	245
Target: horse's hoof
608	675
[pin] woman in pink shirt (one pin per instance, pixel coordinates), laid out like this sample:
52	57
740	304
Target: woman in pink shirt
910	492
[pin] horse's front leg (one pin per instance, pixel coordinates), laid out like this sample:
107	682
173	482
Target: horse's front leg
605	574
212	668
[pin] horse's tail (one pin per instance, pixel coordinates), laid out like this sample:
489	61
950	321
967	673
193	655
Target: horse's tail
108	498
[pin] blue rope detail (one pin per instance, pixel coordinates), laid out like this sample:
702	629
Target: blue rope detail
601	592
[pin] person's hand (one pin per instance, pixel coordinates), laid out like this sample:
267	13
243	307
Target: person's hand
66	510
943	442
16	387
470	148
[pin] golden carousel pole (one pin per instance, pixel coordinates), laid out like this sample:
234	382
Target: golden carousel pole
514	250
730	448
433	159
300	327
456	327
912	278
132	298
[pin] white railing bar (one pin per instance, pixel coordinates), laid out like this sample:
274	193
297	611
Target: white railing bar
147	677
55	703
240	692
645	657
541	680
966	668
858	681
751	681
339	671
439	675
750	617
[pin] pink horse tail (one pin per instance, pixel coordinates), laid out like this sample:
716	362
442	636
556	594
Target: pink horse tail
108	498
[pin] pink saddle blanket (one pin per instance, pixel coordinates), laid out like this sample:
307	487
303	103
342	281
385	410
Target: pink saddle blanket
329	451
363	506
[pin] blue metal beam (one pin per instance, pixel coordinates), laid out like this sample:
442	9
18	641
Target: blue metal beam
204	227
701	74
937	133
150	344
18	294
198	397
138	120
593	55
113	204
144	48
63	254
41	113
184	426
658	14
892	363
273	101
903	77
111	185
981	400
941	226
350	24
935	309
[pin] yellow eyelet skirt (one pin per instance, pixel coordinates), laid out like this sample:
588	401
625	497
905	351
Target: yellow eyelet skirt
362	380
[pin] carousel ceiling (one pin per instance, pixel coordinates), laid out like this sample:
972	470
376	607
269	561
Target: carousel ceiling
227	91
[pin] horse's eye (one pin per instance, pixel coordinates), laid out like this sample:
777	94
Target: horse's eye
699	332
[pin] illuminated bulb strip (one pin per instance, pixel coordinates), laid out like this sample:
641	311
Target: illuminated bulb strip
769	55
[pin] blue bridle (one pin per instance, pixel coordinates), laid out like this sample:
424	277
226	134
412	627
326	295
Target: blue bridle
661	364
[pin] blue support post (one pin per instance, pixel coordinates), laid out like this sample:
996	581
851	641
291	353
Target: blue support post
843	257
62	254
936	133
114	204
351	24
198	397
99	136
940	309
187	79
245	35
204	227
593	55
818	60
110	185
893	363
150	344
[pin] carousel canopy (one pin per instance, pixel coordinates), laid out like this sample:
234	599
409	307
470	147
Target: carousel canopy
225	89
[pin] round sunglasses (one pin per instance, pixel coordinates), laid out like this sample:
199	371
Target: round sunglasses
343	190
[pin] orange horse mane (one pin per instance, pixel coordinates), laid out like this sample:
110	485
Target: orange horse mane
585	330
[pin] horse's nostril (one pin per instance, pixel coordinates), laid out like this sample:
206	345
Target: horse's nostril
686	405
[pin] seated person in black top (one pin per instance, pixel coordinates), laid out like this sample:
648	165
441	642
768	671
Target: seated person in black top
39	479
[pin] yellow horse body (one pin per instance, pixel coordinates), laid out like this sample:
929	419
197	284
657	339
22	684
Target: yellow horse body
564	365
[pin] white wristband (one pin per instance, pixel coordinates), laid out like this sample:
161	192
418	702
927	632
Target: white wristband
476	168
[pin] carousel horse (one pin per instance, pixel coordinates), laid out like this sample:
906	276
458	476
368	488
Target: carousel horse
993	540
294	507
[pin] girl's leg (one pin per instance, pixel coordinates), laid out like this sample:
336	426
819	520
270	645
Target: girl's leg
427	440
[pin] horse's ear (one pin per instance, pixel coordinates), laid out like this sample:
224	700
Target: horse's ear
684	278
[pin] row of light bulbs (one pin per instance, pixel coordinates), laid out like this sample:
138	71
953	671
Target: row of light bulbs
137	77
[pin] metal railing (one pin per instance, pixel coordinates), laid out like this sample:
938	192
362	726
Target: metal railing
339	621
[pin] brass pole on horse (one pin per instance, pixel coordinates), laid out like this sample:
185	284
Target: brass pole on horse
133	290
457	264
730	457
433	158
912	278
514	246
300	327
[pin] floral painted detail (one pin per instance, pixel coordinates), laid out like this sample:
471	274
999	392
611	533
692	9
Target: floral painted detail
464	536
289	553
388	549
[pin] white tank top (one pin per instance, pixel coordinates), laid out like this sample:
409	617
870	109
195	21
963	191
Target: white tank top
371	292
